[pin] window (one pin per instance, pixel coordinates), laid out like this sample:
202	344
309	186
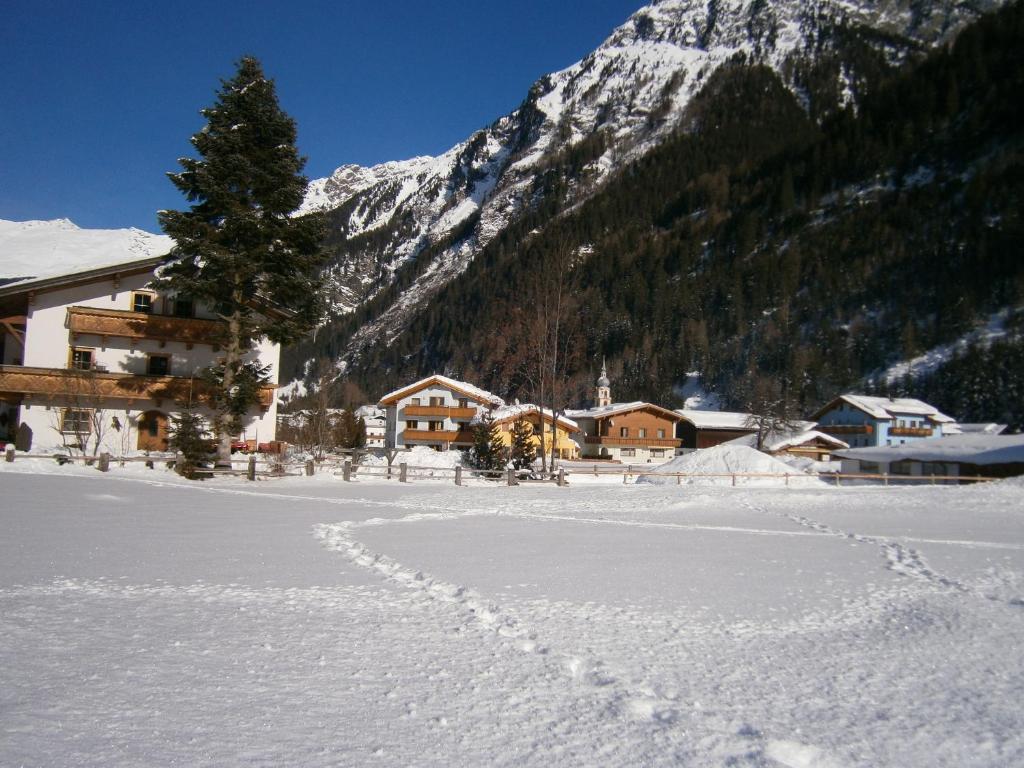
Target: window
642	432
623	431
435	426
414	401
76	421
81	359
463	402
412	424
661	434
142	302
184	306
657	453
627	451
158	365
437	401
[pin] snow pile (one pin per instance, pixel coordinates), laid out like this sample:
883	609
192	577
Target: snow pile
35	249
419	456
718	465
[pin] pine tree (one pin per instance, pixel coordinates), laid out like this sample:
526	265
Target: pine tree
238	248
488	451
189	437
524	450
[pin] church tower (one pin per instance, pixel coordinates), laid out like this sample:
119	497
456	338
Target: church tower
603	392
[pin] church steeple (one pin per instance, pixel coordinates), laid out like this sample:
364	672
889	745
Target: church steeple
603	392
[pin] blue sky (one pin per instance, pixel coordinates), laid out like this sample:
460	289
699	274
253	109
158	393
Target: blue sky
98	99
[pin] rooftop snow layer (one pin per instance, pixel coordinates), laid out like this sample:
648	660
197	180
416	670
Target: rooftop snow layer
716	419
41	249
482	395
887	407
967	449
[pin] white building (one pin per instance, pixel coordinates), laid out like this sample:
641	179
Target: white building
375	420
435	411
90	354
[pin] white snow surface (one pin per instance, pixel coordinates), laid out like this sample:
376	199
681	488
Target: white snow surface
972	448
312	622
40	249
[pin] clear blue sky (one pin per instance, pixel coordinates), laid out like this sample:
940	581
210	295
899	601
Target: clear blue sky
99	97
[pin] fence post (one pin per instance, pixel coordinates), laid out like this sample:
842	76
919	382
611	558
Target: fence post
403	472
595	470
346	471
787	479
734	480
885	476
251	472
458	475
104	465
9	454
679	478
511	476
561	477
310	468
837	479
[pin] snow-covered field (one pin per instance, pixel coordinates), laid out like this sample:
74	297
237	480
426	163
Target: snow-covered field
310	622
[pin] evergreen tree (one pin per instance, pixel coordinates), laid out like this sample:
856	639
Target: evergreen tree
524	450
488	452
238	249
189	437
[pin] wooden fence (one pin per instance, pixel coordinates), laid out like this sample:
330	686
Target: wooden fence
404	473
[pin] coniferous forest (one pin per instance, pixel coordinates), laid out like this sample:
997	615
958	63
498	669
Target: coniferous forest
784	249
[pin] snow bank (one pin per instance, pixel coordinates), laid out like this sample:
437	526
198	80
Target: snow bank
419	456
724	461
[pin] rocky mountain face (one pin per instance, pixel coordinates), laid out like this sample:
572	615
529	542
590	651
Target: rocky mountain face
402	231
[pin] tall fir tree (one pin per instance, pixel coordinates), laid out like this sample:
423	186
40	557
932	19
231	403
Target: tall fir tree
238	248
488	451
524	449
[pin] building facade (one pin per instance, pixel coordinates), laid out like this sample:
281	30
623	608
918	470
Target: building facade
632	433
435	412
864	421
565	447
97	360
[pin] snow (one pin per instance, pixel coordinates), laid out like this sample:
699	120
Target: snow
704	419
716	465
695	397
971	448
308	621
40	249
780	440
473	391
887	408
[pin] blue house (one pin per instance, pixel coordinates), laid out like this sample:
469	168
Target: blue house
864	421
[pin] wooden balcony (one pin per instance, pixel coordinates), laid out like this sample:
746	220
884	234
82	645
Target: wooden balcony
439	412
630	442
141	325
438	436
95	386
910	431
846	429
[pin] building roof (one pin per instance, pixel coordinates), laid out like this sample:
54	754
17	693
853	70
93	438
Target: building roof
780	441
979	449
35	254
717	419
482	396
989	428
519	410
888	408
614	409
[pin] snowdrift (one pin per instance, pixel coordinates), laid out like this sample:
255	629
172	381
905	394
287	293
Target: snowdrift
726	460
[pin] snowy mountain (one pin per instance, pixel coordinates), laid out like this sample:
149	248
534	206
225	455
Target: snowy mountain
430	217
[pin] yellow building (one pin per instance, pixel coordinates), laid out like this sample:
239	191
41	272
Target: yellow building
565	447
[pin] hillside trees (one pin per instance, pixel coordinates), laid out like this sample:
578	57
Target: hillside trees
238	249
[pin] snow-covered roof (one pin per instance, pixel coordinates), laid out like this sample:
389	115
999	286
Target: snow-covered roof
519	410
989	428
888	408
716	419
613	409
967	449
480	395
780	441
31	251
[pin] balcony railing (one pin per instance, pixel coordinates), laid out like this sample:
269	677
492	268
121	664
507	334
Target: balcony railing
651	442
910	431
438	435
847	429
89	386
141	325
439	411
